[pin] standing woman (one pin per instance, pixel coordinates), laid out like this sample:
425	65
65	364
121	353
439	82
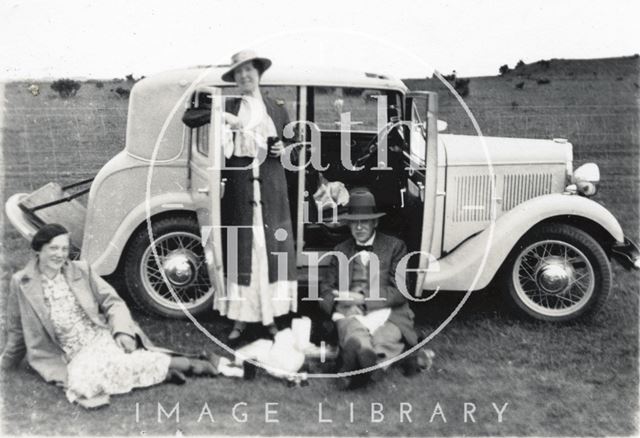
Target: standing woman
77	332
255	200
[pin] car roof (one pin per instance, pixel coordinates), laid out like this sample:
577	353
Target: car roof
156	102
286	75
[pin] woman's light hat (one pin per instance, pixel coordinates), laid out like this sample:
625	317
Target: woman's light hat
243	57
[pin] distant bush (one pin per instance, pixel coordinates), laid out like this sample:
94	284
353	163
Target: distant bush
543	81
520	85
131	79
504	70
99	84
519	65
462	86
66	87
450	78
122	92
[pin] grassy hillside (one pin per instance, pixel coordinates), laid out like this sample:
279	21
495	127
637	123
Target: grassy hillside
592	103
47	138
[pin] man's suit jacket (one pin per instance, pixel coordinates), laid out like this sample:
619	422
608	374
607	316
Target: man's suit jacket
389	252
30	329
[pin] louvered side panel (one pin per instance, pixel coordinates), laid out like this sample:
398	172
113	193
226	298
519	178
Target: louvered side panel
519	188
473	198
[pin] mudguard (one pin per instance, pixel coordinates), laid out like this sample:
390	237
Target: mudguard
473	264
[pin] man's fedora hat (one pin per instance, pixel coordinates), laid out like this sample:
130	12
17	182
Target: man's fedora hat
243	57
362	206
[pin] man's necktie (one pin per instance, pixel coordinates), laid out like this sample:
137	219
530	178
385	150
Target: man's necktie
364	248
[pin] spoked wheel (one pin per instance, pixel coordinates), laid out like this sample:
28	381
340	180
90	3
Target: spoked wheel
558	273
180	257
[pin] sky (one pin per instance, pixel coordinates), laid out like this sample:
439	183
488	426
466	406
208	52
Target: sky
108	39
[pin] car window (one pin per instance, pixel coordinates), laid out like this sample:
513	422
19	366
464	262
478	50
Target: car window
330	102
200	139
418	131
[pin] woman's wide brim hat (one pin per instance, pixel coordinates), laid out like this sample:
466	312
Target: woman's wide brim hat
242	58
362	206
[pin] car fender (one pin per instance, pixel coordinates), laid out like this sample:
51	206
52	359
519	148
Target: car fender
104	260
474	263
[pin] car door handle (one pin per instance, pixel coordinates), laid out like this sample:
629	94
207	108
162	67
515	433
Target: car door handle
421	190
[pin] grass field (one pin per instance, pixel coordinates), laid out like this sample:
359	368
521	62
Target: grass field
578	379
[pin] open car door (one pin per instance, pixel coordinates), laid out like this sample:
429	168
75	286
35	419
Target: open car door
421	165
207	188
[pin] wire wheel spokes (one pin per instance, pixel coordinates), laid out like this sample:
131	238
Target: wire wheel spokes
178	254
553	277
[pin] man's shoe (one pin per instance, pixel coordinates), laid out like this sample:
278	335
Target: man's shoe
359	380
349	355
410	365
367	357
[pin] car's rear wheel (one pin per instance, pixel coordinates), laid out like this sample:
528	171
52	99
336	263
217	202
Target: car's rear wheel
180	257
557	273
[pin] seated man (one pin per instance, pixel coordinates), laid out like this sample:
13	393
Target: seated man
378	328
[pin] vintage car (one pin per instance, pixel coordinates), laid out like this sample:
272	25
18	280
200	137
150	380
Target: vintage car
509	212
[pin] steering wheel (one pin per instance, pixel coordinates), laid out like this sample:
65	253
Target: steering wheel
372	147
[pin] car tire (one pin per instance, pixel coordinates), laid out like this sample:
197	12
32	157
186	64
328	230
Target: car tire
557	273
178	245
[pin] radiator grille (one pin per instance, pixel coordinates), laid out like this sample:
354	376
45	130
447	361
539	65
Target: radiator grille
519	188
473	198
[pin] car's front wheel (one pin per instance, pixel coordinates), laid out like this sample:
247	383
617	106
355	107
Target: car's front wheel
179	255
557	272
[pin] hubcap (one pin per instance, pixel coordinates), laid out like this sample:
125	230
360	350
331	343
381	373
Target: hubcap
180	258
180	267
553	278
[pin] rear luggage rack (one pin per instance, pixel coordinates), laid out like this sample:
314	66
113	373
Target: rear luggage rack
68	198
53	203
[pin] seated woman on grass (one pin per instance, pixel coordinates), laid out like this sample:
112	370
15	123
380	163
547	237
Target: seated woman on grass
77	332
